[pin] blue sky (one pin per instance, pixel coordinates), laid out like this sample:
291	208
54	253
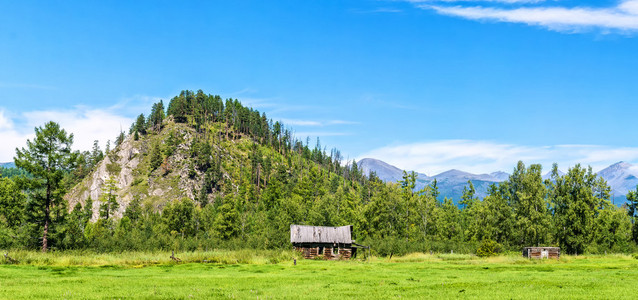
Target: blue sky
425	85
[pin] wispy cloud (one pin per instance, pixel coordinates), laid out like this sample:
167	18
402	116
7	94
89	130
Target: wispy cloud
87	124
250	97
321	127
484	156
476	1
135	104
312	134
314	123
10	137
623	17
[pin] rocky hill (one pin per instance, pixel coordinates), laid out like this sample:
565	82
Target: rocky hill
207	151
129	165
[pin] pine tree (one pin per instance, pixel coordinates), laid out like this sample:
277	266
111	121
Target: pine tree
108	199
156	157
140	125
632	211
48	158
96	154
120	138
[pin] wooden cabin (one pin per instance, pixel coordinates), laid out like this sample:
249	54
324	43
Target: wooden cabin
541	252
323	242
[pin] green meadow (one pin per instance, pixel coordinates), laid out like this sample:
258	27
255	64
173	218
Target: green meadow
271	274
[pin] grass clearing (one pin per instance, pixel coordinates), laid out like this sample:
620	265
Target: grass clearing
271	274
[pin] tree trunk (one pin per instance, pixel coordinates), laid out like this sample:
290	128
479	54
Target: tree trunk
46	220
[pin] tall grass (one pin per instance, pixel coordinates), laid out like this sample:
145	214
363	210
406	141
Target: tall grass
89	258
253	256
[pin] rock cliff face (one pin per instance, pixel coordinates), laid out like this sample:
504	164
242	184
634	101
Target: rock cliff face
129	165
127	158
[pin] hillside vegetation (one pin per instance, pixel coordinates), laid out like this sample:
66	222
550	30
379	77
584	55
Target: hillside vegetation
206	173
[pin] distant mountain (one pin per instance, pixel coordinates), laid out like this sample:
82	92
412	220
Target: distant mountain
8	165
450	183
383	170
621	177
500	176
548	175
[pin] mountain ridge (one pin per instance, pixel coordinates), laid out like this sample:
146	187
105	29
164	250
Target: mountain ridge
620	176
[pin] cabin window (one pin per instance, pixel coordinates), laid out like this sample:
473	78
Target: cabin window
320	250
335	250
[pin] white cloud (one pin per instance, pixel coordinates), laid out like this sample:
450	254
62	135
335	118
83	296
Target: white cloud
292	122
295	122
314	134
622	17
433	158
486	1
86	124
5	122
10	138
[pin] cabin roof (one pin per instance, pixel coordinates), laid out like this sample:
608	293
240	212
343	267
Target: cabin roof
320	234
552	248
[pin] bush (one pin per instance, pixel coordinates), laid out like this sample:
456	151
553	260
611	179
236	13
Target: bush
488	248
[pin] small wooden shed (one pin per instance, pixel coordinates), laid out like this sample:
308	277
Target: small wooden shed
323	242
541	252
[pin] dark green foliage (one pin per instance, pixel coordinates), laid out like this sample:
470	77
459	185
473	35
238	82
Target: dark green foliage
134	210
156	157
632	212
96	154
574	208
494	216
253	178
140	125
74	229
120	138
488	248
12	202
12	205
202	155
13	172
48	158
172	142
527	196
108	200
178	216
156	117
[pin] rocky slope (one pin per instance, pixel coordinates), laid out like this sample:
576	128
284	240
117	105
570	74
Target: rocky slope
129	165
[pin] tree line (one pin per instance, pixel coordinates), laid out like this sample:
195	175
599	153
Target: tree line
251	200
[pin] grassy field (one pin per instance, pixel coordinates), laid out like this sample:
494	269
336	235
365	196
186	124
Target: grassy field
260	275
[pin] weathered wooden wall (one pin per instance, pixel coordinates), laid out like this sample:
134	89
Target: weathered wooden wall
313	252
542	252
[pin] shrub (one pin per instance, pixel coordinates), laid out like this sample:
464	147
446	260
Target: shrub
488	248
